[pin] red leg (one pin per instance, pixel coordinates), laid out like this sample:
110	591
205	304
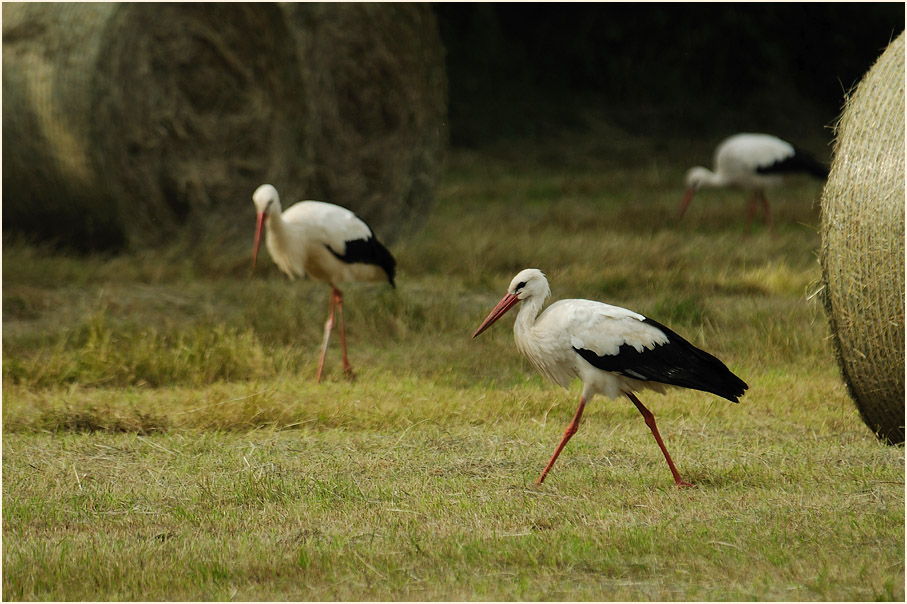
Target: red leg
685	202
650	421
328	327
751	212
768	213
571	430
338	296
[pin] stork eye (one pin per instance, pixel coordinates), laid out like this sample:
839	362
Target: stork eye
520	286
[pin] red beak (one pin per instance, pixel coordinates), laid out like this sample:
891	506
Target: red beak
687	198
506	303
259	228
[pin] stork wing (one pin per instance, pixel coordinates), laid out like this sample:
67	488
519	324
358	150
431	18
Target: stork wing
799	162
328	224
344	234
752	153
623	342
601	328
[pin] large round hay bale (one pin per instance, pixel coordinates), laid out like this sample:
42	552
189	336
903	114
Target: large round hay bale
863	245
379	90
122	121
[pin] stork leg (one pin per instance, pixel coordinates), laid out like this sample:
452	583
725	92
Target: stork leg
336	301
751	212
685	202
328	327
338	296
768	213
650	421
571	430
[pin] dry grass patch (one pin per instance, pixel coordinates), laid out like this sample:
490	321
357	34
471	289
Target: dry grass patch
164	437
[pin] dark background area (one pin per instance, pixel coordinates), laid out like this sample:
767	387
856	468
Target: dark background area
663	70
554	83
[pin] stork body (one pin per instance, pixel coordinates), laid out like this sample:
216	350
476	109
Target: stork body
754	163
326	242
612	350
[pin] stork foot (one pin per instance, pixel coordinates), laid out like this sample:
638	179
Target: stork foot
683	484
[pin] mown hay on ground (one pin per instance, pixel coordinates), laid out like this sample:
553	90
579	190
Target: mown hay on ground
863	245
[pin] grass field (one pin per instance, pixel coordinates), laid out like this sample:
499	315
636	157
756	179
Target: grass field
163	437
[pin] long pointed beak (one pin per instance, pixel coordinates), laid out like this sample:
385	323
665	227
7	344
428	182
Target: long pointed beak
259	229
506	303
687	198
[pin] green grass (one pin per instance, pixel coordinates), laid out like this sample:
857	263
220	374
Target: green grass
164	437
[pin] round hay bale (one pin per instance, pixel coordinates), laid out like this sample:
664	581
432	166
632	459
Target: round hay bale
123	121
862	251
379	89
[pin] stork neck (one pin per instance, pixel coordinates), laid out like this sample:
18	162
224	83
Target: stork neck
278	236
275	222
529	312
713	179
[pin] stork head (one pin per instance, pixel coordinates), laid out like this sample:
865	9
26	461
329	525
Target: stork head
529	283
266	200
696	177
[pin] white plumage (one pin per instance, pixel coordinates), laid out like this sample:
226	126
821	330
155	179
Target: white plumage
300	240
550	341
754	163
324	241
612	350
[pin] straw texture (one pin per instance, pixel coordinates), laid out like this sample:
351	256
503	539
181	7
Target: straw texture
379	92
862	251
125	123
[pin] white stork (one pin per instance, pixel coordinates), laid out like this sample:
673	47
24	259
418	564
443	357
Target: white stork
326	242
753	162
612	350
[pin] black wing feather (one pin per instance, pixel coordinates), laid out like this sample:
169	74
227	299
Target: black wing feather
799	162
369	251
676	363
